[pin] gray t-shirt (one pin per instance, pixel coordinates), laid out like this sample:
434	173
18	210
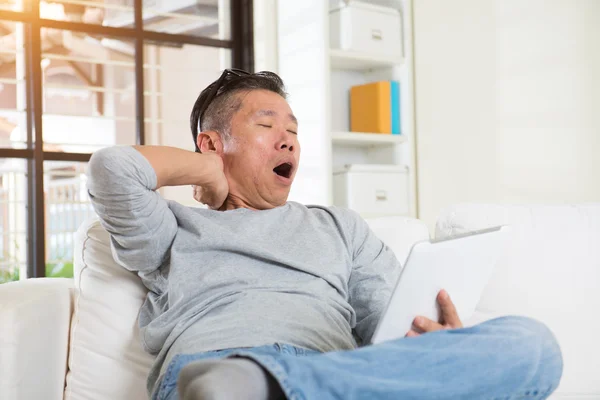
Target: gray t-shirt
302	275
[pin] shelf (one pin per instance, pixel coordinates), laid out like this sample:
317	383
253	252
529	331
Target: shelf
343	59
366	139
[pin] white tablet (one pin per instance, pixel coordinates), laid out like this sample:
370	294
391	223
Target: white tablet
462	265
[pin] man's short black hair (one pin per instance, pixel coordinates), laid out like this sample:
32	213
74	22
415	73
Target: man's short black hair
217	116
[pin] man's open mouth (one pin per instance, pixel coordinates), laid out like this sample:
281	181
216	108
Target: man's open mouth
284	170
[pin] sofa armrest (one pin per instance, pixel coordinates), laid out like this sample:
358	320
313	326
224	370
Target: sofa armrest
35	316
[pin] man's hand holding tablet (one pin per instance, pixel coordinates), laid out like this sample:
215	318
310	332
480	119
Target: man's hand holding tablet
448	318
461	265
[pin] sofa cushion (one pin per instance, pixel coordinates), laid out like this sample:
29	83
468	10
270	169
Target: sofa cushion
106	359
34	324
550	272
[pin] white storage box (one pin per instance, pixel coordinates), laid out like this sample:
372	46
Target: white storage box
372	190
366	28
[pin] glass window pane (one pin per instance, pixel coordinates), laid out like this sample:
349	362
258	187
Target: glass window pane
117	13
13	128
172	85
11	5
13	219
208	18
67	207
89	91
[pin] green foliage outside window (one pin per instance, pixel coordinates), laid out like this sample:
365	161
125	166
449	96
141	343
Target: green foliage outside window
53	270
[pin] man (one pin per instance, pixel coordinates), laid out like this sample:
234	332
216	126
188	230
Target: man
261	298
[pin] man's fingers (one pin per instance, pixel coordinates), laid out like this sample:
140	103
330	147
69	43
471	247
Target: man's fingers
449	314
449	317
427	325
411	333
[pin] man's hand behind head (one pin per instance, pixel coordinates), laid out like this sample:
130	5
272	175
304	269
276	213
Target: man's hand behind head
214	192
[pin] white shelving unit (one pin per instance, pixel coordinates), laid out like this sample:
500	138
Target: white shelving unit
351	60
318	79
350	68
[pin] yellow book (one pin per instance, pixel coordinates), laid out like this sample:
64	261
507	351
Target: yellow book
370	107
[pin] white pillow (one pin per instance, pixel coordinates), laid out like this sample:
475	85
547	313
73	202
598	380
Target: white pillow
106	358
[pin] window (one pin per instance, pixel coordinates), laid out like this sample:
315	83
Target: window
79	75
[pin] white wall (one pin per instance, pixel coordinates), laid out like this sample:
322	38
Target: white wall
265	35
505	98
548	100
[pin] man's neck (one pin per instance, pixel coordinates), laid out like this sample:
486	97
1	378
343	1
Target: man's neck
233	202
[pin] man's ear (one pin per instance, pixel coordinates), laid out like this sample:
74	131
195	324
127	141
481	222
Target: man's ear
210	141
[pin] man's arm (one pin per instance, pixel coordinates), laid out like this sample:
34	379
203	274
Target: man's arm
122	183
375	270
177	167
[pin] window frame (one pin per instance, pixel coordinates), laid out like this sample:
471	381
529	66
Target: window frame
242	52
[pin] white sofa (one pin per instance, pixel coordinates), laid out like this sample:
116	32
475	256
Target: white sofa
77	339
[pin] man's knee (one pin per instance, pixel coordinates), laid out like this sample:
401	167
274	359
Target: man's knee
533	343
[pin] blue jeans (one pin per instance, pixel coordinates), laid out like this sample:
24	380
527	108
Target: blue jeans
505	358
